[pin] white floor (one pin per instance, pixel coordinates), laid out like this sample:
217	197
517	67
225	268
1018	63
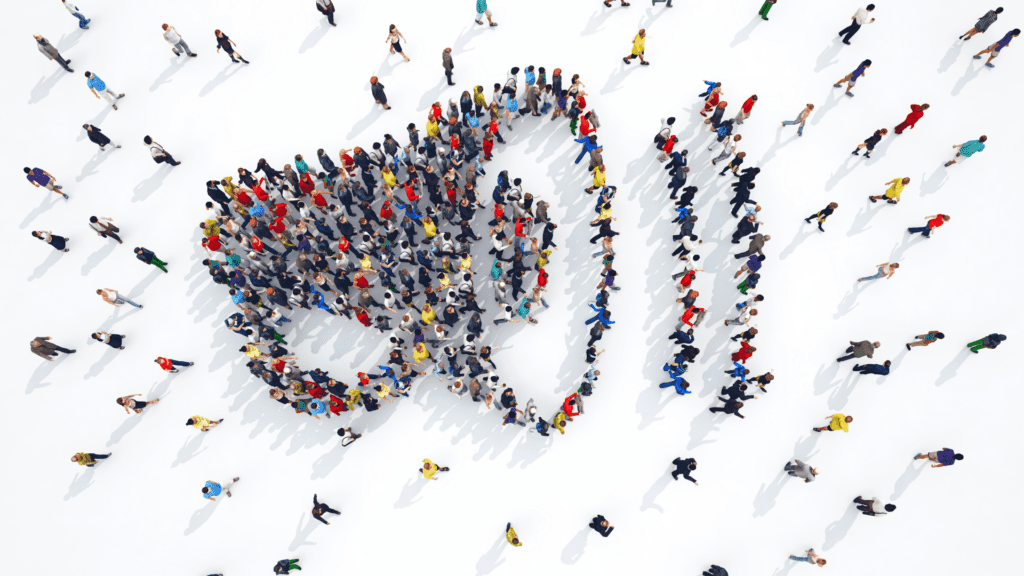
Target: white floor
141	512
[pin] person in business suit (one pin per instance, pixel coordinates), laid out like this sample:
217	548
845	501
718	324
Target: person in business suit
321	508
683	468
601	525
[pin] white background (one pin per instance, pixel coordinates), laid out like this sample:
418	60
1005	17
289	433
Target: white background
141	512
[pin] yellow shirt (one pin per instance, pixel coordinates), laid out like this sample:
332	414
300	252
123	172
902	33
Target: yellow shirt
432	129
598	177
444	281
419	356
605	213
895	190
199	422
430	228
384	391
542	260
390	179
559	423
365	262
466	262
638	44
510	534
211	228
429	473
428	315
252	351
478	98
839	423
353	399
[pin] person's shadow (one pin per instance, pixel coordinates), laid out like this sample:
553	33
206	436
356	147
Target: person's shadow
201	516
82	481
302	534
805	232
41	270
573	551
38	377
492	558
410	492
177	63
92	166
98	256
42	88
744	34
838	530
825	59
189	450
146	188
767	494
315	36
830	102
655	490
951	55
221	77
949	371
594	24
937	180
970	74
49	201
366	121
905	479
616	79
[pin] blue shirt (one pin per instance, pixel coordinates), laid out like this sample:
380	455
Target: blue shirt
857	73
38	177
96	84
945	457
481	6
523	310
970	148
495	270
214	490
257	210
1005	41
237	297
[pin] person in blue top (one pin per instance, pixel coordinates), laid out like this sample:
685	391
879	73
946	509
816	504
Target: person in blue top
83	22
967	149
852	77
97	87
677	380
995	48
213	489
589	143
880	369
738	371
945	457
42	179
603	315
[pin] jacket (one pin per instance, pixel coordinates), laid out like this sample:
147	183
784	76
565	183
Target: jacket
863	348
47	49
756	244
378	93
602	530
446	61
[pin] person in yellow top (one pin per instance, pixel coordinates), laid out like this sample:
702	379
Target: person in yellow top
429	228
252	351
203	424
389	177
478	99
542	258
432	129
465	262
365	262
511	535
354	395
638	48
443	281
559	422
420	353
599	179
210	228
428	315
606	211
429	469
892	195
836	422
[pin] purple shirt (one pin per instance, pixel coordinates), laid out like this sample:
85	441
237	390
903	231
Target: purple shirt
946	457
753	263
1005	41
38	177
857	73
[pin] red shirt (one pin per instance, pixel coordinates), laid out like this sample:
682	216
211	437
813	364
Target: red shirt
498	212
542	279
743	354
348	162
581	102
306	184
748	105
319	200
362	283
451	196
688	278
493	129
410	193
936	222
243	198
455	141
256	244
260	193
914	116
712	101
213	243
165	363
436	110
363	319
280	209
278	225
668	145
343	244
363	380
569	409
690	313
488	146
385	210
585	126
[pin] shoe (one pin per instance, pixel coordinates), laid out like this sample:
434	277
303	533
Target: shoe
193	55
117	145
836	85
121	96
190	364
976	58
228	492
855	153
65	196
918	455
68	62
867	155
115	106
845	42
648	64
908	346
990	65
626	60
235	480
855	366
765	18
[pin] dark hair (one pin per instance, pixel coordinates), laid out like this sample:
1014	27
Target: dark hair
958	457
147	140
27	170
872	7
206	490
515	70
1015	31
866	63
87	73
696	257
890	507
517	181
189	422
940	335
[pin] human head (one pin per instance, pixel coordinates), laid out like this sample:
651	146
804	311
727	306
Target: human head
821	561
906	181
890	507
871	7
849	419
925	106
982	138
206	490
189	422
88	74
373	79
958	457
643	33
866	63
165	26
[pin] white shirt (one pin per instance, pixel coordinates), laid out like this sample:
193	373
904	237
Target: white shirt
156	150
71	7
171	35
860	16
99	224
689	244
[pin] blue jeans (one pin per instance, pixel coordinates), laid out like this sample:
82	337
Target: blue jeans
800	131
82	20
123	300
283	320
803	558
677	383
582	154
880	274
924	230
178	362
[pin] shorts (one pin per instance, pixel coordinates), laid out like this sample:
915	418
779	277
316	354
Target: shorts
852	83
959	158
933	455
995	48
49	185
480	15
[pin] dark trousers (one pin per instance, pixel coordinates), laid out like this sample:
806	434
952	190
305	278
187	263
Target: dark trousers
899	129
849	31
448	74
848	356
166	158
111	235
328	13
64	350
97	457
63	63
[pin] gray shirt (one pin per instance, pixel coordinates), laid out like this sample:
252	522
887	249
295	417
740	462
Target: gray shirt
803	470
863	348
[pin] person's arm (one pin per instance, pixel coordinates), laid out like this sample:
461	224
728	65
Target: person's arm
94	93
232	42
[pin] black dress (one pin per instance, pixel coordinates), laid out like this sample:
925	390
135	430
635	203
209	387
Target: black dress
224	43
115	341
58	242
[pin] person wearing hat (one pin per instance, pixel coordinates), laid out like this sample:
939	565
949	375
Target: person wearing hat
203	424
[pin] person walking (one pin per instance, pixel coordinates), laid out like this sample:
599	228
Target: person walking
58	243
51	53
638	48
836	422
851	78
967	149
98	86
202	424
870	143
744	112
859	350
42	179
916	112
983	24
823	214
113	340
158	152
601	525
608	3
991	342
393	36
448	65
429	469
96	136
683	468
105	228
83	22
801	470
878	369
481	11
112	297
859	19
801	119
763	13
42	347
321	508
178	45
811	557
377	89
326	7
88	459
511	535
715	570
213	489
996	48
873	506
229	46
892	195
168	365
148	257
933	222
926	339
944	457
348	436
284	566
885	270
137	406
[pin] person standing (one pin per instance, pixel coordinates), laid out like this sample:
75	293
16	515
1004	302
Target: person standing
229	46
638	48
870	143
967	149
859	18
481	11
202	424
885	270
763	13
926	339
811	557
873	506
823	214
446	62
997	47
745	110
50	51
916	112
59	243
283	566
683	468
601	525
892	195
944	457
983	24
801	470
148	257
801	119
859	350
97	87
158	152
933	223
214	489
429	469
42	347
326	7
178	45
377	89
168	365
112	297
105	228
991	342
836	422
851	78
88	459
42	179
393	36
321	508
83	22
96	136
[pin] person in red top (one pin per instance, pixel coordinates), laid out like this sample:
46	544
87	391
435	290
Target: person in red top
452	198
260	192
542	279
385	211
280	209
745	352
410	192
519	226
666	148
690	313
306	184
916	112
343	244
212	243
745	110
933	223
585	127
318	200
256	244
454	140
711	103
499	214
435	109
363	378
278	225
362	316
488	145
361	281
569	407
169	365
243	198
